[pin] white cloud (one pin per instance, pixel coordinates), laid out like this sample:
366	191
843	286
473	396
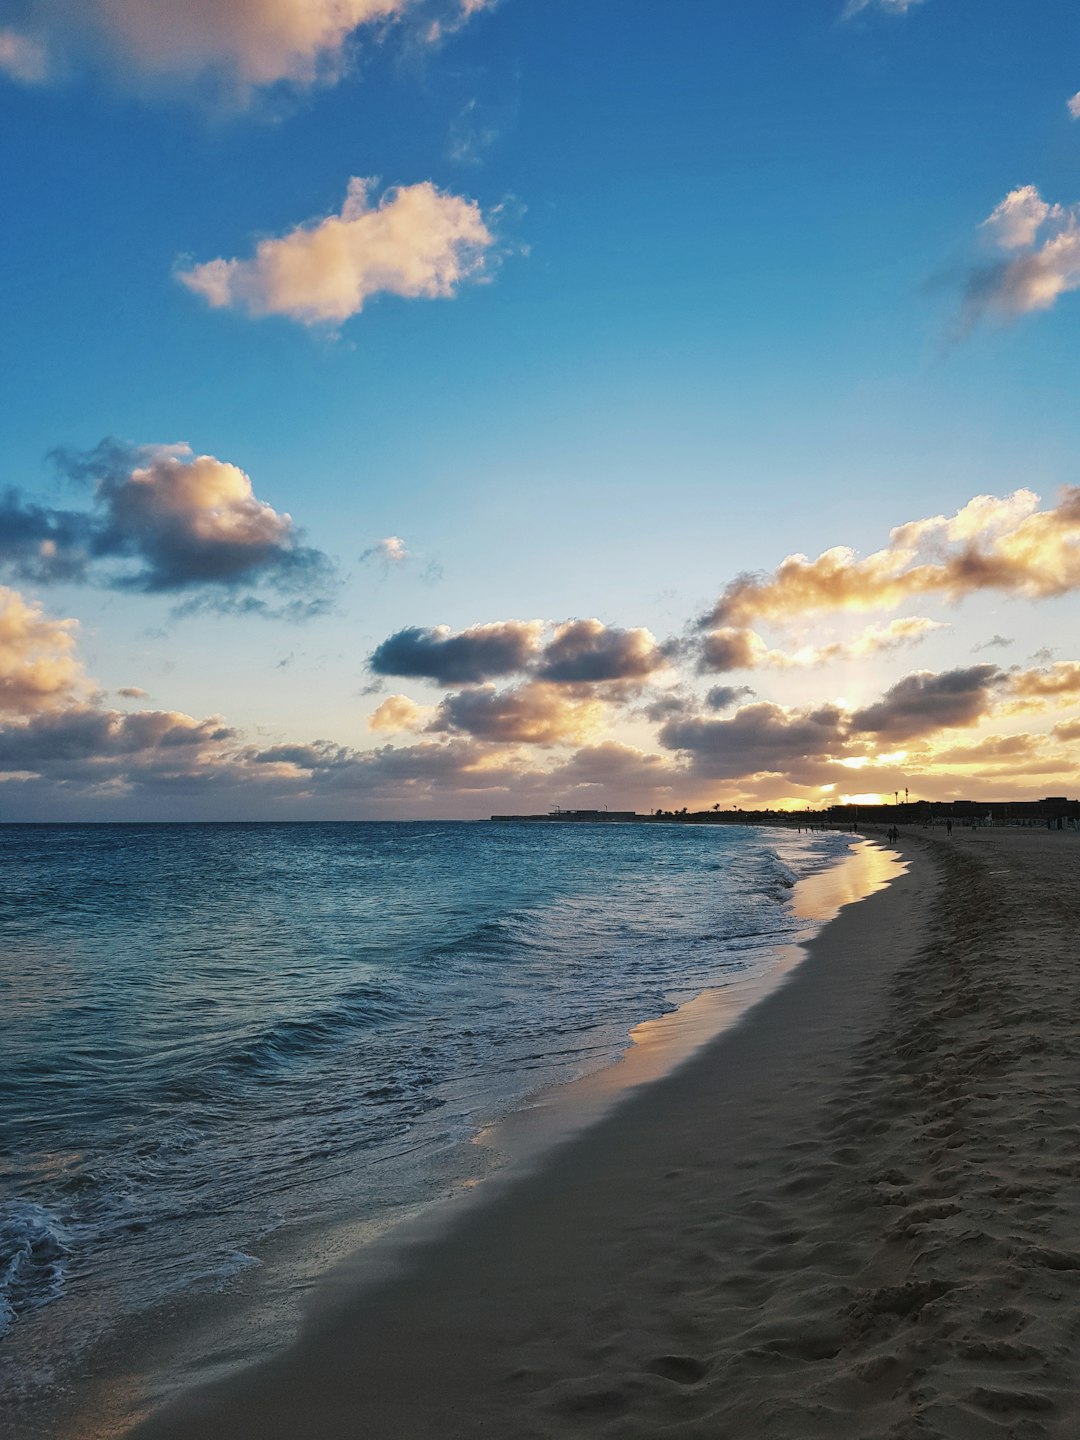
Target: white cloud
391	550
417	242
1016	222
1074	106
1046	265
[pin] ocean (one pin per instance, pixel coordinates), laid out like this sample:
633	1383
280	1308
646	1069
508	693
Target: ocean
213	1036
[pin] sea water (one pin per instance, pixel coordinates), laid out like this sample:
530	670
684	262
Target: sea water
210	1034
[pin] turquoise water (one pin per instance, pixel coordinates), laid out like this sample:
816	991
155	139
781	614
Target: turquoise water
213	1032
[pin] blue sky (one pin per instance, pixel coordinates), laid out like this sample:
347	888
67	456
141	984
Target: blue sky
717	316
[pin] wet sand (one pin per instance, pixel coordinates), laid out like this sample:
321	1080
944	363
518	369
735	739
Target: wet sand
854	1215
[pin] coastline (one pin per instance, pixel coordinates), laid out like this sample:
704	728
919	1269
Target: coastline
357	1292
202	1337
853	1216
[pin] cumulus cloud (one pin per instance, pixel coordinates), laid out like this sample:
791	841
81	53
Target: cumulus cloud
1059	681
248	43
163	520
585	656
132	692
1073	105
1008	545
38	665
723	697
758	738
470	657
924	702
731	648
398	712
532	714
589	652
1041	259
85	743
416	242
670	702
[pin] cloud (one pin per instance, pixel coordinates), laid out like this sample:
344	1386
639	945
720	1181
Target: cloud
1016	222
417	242
1073	105
1060	681
38	665
632	777
722	697
925	702
1048	237
758	738
484	652
1008	545
589	652
91	745
163	520
991	748
249	43
731	648
132	692
390	551
22	57
996	642
533	714
889	7
398	712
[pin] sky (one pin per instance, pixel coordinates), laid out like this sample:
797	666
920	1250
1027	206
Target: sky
437	408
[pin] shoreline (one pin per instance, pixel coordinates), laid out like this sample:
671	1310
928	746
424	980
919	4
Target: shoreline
197	1337
854	1216
378	1272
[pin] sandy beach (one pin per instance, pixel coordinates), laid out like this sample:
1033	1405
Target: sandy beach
853	1215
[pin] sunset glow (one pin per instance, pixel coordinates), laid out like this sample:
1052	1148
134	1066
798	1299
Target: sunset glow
481	445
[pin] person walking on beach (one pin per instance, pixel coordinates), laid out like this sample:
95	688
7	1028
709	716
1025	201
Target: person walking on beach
948	827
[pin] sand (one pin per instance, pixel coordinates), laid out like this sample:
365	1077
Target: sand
857	1214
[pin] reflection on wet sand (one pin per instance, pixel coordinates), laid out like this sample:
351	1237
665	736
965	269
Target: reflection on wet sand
658	1046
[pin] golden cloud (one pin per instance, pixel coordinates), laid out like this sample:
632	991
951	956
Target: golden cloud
417	242
38	665
398	712
1008	545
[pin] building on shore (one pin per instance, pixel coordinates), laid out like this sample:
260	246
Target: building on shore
1052	810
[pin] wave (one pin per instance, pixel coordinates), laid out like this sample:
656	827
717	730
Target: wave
34	1255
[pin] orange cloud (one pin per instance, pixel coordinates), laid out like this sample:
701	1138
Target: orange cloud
734	648
38	665
255	42
1007	545
1061	681
417	242
398	712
